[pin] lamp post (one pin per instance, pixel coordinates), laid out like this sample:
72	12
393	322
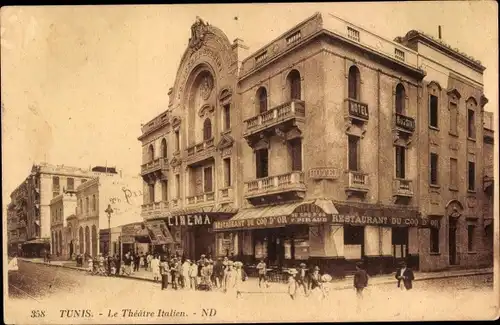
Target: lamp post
109	210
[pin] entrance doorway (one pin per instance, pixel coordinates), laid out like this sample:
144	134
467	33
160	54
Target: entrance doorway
452	241
204	242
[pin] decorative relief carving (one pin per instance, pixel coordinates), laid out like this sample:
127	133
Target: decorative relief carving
206	87
454	209
355	129
176	121
471	201
175	162
206	110
198	31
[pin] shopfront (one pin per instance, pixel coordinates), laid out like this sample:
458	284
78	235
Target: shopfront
330	235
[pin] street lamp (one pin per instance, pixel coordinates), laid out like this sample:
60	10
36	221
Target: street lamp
109	210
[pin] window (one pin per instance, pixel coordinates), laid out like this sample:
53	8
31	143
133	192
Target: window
453	119
453	173
434	169
353	144
400	99
164	151
177	186
353	235
470	237
80	205
227	117
164	190
262	96
151	153
151	190
207	129
296	154
261	157
227	172
434	240
471	184
471	128
433	111
400	55
353	83
70	184
94	203
353	34
177	141
295	85
207	180
400	162
87	205
55	184
400	242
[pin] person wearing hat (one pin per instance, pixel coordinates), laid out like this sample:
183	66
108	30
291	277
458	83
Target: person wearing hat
405	274
240	276
185	273
302	278
193	275
262	269
174	272
218	272
292	283
360	280
228	282
315	281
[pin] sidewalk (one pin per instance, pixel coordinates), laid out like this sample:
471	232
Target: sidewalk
281	287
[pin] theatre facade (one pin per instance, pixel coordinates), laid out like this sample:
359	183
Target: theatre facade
304	151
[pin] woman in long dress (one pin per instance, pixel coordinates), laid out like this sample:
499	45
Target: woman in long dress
228	282
239	277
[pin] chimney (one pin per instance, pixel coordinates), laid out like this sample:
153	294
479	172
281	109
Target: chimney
439	31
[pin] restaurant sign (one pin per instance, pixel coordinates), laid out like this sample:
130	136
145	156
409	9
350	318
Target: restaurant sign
312	214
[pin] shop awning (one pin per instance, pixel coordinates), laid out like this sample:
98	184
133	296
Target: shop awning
159	233
279	215
37	241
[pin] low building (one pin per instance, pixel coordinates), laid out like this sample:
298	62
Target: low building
103	203
61	207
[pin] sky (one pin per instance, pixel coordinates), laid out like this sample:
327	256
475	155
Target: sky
78	81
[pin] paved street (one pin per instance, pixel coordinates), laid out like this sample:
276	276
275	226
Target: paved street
37	286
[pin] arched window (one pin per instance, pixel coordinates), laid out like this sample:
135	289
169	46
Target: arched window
353	83
87	241
94	240
400	99
295	86
207	129
60	242
262	97
164	148
151	152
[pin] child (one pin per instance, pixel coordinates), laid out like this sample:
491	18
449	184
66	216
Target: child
292	284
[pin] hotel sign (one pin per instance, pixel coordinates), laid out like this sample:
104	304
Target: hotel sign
323	173
405	122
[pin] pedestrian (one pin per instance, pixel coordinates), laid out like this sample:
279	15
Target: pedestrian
316	283
228	282
302	278
225	262
185	274
174	273
218	272
117	265
180	275
155	267
148	260
193	274
405	274
165	270
292	283
239	278
360	283
137	262
90	267
262	269
141	261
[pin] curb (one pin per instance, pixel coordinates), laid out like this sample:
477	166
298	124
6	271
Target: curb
437	277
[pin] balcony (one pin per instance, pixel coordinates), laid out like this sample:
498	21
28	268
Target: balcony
357	182
157	168
356	111
286	186
153	209
283	116
200	151
404	123
226	194
402	187
201	198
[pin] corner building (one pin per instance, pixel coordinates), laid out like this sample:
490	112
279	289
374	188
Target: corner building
328	127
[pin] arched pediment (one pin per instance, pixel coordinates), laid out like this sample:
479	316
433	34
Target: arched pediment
434	84
454	92
176	121
225	95
454	209
471	100
206	110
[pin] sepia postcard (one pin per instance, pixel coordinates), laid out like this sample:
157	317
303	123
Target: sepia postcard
221	163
